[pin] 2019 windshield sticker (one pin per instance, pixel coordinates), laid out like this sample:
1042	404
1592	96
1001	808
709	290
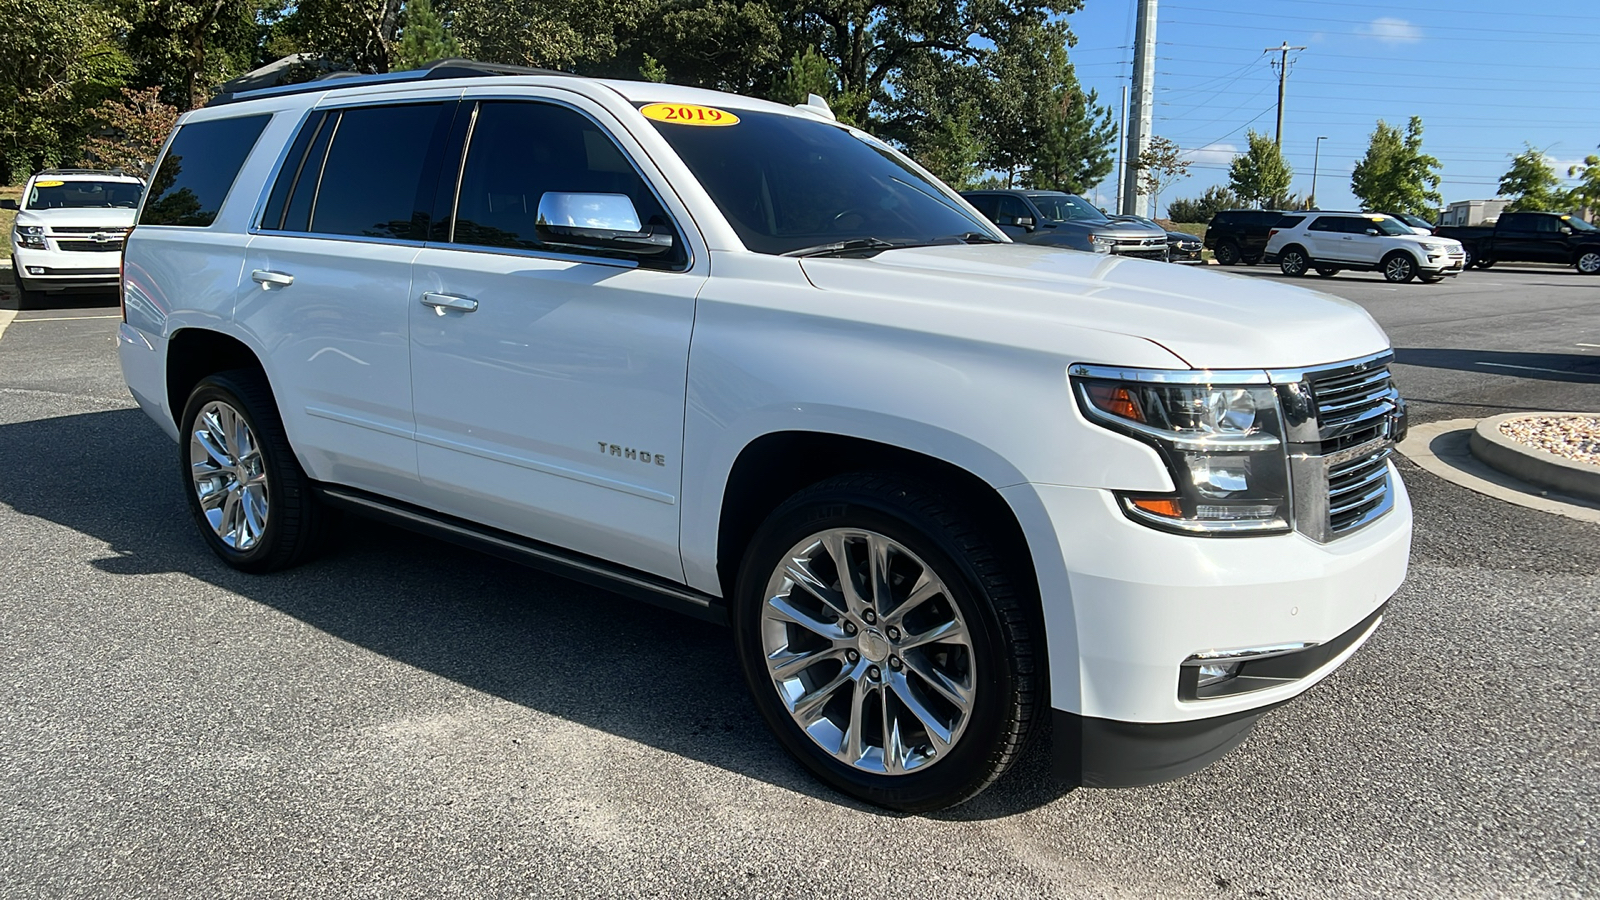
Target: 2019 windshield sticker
689	114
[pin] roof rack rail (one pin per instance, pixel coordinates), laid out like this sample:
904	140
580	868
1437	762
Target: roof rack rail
116	171
440	68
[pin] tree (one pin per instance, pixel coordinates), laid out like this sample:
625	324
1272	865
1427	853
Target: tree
187	47
1395	175
424	37
58	60
1159	166
1532	184
129	132
810	73
1260	175
1587	193
1214	200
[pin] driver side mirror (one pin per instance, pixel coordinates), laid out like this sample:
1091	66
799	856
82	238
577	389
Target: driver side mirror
10	204
1372	231
596	221
1023	222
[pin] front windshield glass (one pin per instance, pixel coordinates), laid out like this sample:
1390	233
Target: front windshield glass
1580	224
1066	208
788	183
48	194
1386	225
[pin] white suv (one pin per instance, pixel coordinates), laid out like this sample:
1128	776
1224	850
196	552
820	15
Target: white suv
740	360
1362	242
69	229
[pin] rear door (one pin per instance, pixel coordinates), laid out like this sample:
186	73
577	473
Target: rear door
1324	239
327	285
549	397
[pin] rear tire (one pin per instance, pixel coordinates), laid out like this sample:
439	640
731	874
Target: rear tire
1588	262
1293	261
1485	263
1471	258
839	674
1398	267
252	502
1227	254
1327	271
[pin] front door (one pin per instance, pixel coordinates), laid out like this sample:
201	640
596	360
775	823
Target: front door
549	381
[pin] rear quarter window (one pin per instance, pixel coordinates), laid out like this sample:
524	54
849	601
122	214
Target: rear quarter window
1289	221
199	170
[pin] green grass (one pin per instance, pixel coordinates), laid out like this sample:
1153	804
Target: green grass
1198	229
6	218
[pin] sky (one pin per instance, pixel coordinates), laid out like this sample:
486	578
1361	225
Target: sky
1485	76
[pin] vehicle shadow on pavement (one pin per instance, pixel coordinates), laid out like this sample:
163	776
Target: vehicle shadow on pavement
545	643
1574	368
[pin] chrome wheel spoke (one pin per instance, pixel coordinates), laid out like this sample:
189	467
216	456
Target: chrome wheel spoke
229	475
887	631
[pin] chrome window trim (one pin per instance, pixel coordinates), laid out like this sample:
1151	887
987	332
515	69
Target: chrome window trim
552	255
352	238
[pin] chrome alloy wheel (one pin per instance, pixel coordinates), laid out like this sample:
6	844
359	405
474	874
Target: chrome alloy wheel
1399	268
229	475
868	651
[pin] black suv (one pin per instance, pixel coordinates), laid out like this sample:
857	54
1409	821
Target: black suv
1240	235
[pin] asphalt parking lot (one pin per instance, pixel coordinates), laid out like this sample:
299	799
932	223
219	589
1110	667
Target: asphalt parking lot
406	719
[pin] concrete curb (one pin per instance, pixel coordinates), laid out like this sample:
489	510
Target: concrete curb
1531	464
1442	449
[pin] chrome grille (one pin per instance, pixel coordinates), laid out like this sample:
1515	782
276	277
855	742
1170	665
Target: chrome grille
91	246
1341	421
88	229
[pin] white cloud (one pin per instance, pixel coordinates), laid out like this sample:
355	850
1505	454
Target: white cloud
1392	31
1212	154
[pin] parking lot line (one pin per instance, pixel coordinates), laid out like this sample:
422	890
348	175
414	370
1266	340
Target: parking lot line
64	318
6	315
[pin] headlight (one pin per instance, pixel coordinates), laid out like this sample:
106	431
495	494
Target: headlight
1101	243
1220	435
1433	247
30	236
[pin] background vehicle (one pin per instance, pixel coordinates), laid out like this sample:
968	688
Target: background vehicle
1415	223
746	362
70	228
1362	242
1240	235
1182	247
1531	237
1056	219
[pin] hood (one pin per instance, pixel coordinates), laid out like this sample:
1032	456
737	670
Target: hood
1208	319
1113	228
81	216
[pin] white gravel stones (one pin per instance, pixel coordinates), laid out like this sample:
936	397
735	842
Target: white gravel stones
1570	437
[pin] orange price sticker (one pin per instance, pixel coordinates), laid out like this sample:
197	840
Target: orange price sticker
688	114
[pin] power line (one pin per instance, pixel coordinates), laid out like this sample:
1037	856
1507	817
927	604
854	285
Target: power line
1430	26
1234	26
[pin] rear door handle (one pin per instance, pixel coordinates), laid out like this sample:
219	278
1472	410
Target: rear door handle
267	278
441	302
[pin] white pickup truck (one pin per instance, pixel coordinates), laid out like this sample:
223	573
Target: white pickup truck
741	360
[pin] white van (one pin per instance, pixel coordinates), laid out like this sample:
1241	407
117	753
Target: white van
741	360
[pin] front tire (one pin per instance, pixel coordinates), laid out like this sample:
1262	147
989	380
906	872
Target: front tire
1293	262
249	497
1588	262
1485	263
885	644
1327	271
1471	258
1399	267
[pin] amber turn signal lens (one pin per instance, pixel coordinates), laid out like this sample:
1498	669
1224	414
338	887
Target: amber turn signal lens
1161	506
1116	400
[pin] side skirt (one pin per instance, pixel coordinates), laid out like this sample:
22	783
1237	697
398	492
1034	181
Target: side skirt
536	554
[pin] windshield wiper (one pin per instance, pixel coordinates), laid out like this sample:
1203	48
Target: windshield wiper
865	243
976	237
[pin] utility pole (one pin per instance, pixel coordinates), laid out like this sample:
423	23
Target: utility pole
1283	77
1137	138
1122	145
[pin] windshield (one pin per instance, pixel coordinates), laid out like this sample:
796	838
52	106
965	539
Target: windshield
1067	208
48	194
787	183
1386	225
1579	224
1413	221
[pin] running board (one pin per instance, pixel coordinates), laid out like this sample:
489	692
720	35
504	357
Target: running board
536	554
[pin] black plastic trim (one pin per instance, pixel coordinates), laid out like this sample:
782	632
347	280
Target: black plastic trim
536	554
1106	753
1258	674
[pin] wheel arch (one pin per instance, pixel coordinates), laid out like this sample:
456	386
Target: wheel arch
194	353
773	467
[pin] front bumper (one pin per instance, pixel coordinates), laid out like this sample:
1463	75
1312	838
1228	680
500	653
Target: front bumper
59	270
1125	606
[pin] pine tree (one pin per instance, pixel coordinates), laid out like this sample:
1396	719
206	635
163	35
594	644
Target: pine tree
424	37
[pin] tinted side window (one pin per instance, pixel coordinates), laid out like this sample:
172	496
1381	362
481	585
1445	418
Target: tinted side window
1324	223
300	165
199	169
1547	225
373	171
988	204
1289	221
1014	207
1516	222
520	151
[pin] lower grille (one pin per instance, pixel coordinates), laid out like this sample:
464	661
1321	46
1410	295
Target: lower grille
90	246
1358	491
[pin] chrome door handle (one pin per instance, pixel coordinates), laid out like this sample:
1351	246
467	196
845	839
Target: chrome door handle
441	302
267	278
